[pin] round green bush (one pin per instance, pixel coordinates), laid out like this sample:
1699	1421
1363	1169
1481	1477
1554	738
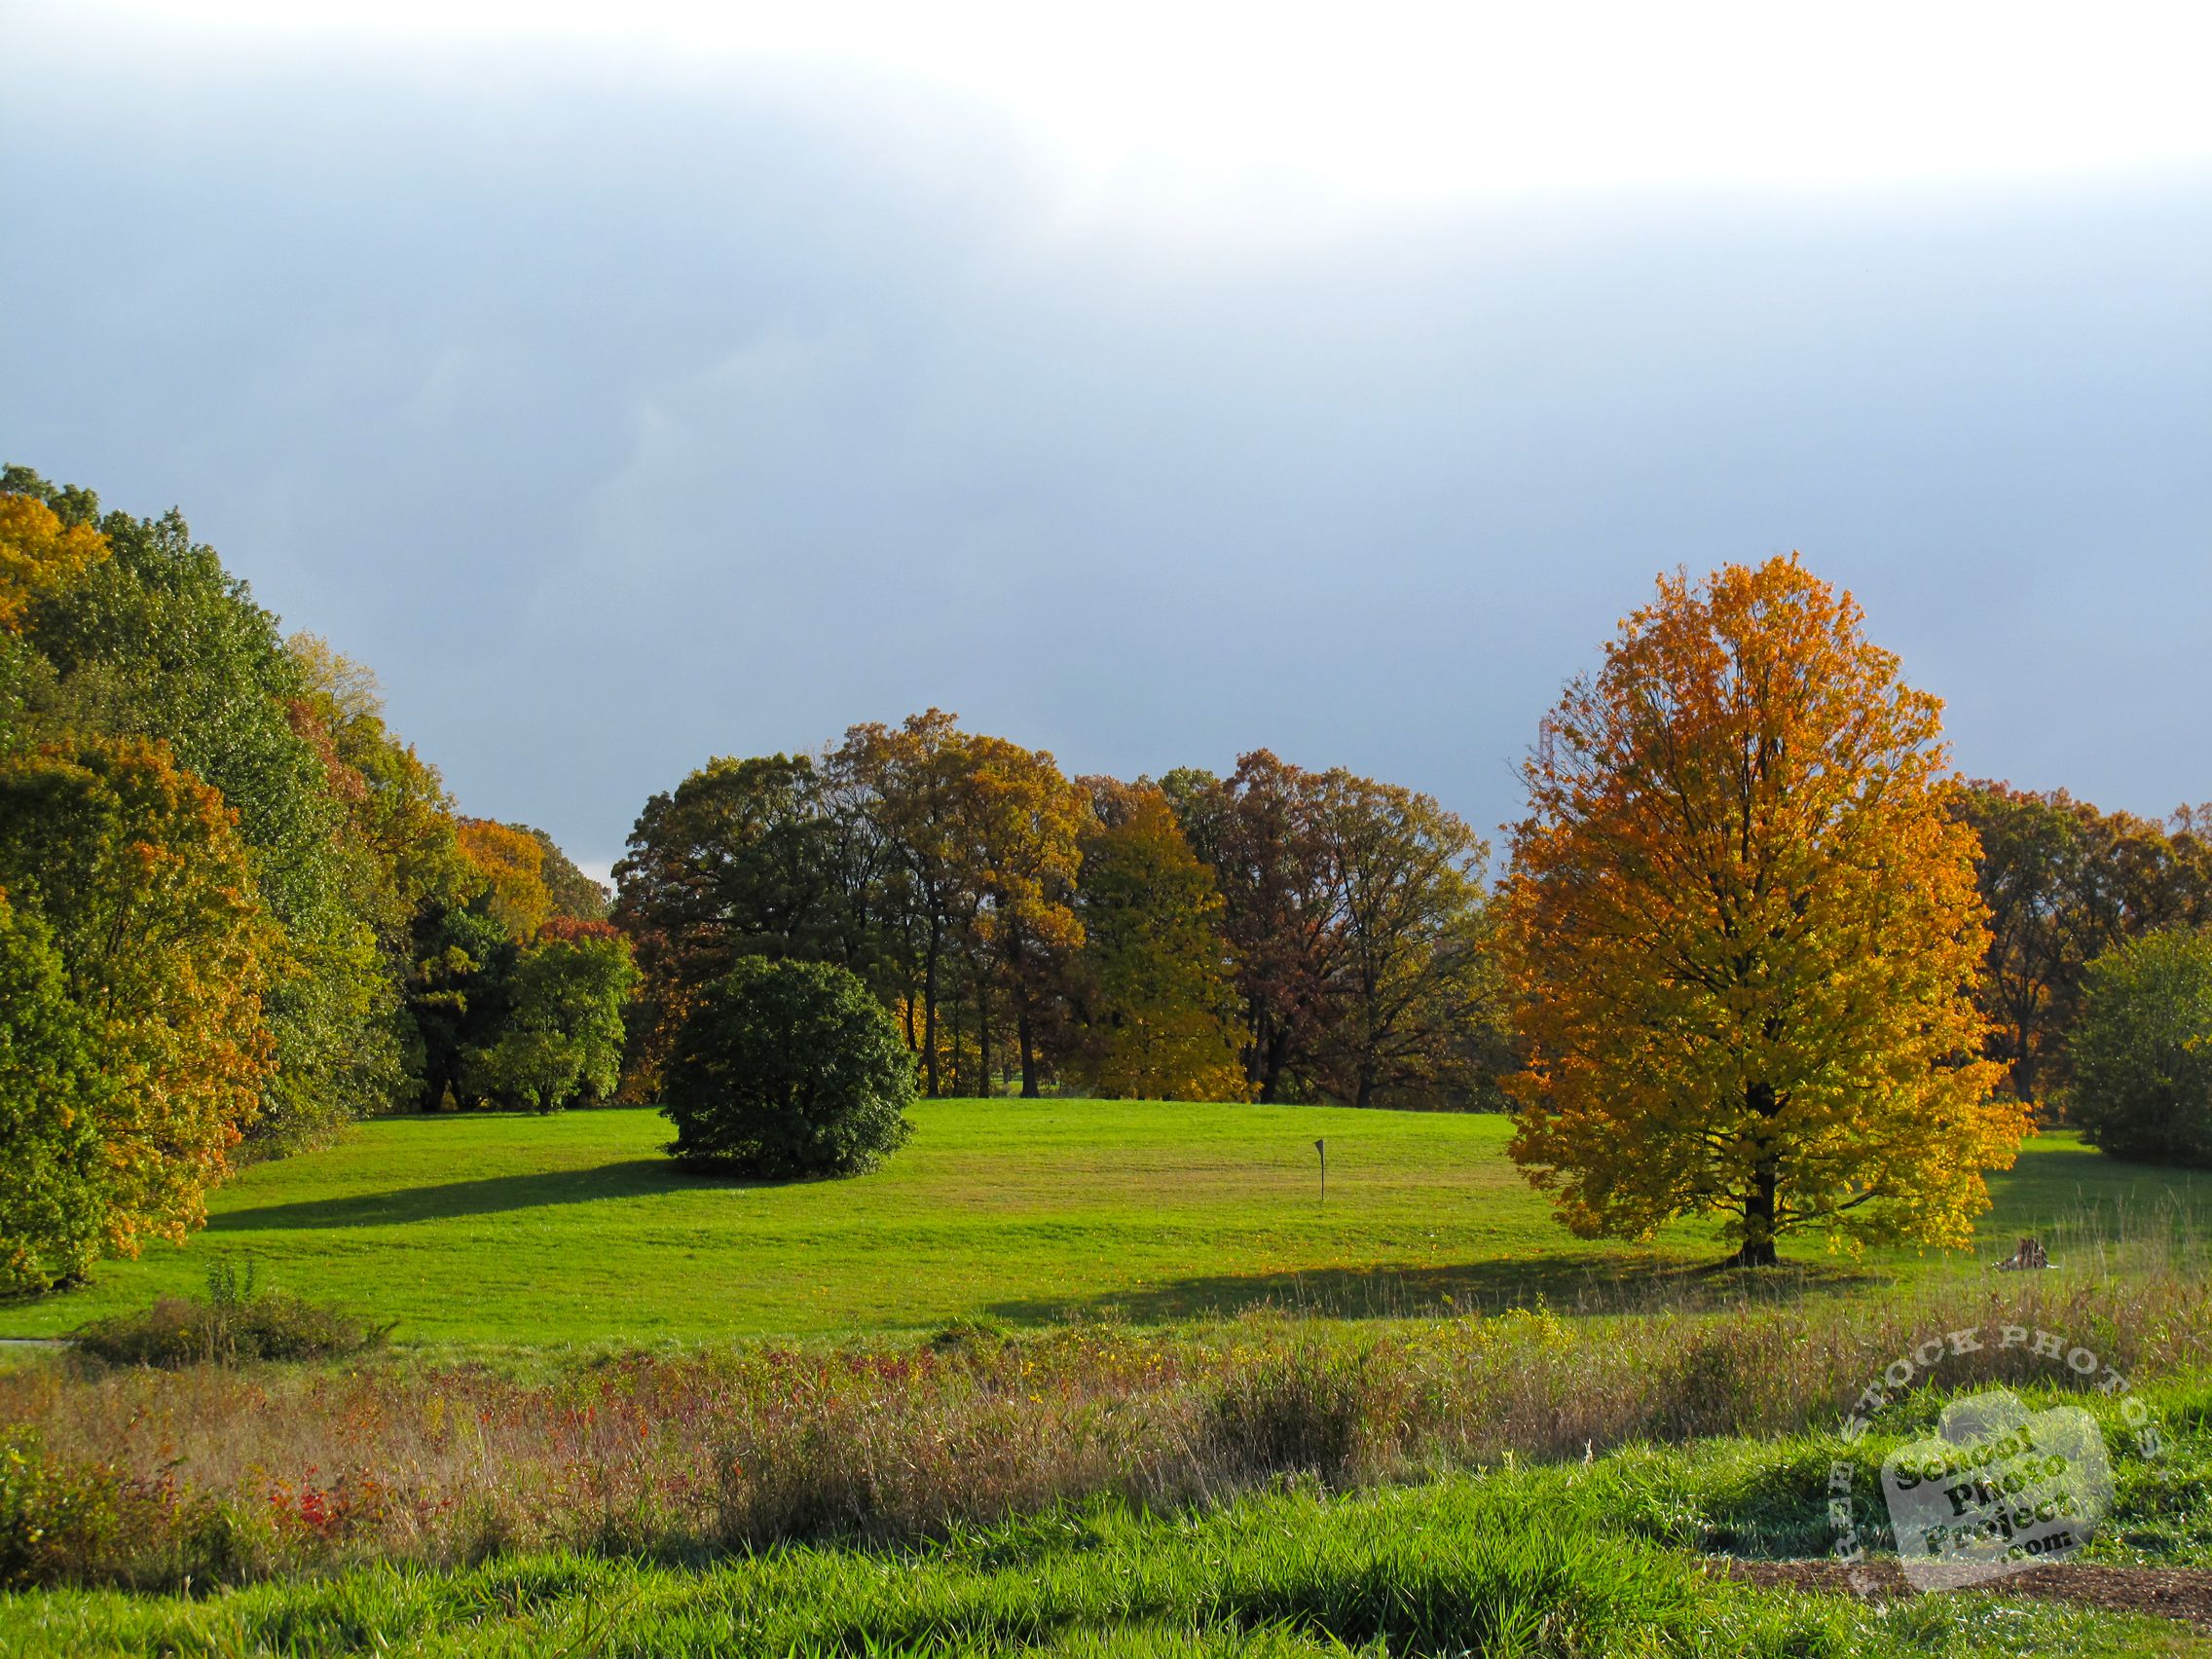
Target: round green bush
2143	1050
787	1069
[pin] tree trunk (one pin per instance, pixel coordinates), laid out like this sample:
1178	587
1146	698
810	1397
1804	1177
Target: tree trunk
958	1071
1759	1204
929	1012
983	1035
1028	1047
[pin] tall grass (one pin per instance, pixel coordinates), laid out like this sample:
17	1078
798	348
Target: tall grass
1513	1568
134	1477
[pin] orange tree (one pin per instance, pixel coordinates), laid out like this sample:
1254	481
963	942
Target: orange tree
1745	934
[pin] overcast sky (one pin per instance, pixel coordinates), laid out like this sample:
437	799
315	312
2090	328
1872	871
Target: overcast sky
630	385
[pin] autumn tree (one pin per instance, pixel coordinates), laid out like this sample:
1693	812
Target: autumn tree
919	778
1259	831
512	865
136	869
2065	883
1415	1004
1025	821
157	643
1156	1007
575	895
1744	928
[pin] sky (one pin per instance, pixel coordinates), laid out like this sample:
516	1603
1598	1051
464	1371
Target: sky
630	385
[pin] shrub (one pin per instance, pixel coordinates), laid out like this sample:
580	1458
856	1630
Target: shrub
232	1324
1301	1409
2143	1050
787	1069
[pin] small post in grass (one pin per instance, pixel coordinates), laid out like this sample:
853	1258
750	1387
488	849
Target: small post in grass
1322	1147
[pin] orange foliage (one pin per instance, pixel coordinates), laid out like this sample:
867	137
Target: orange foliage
1746	930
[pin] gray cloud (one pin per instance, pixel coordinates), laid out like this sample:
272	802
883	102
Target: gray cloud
621	426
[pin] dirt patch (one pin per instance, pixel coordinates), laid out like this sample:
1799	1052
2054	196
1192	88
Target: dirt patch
2174	1593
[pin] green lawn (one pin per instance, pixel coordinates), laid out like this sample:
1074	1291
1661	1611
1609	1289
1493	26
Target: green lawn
576	1229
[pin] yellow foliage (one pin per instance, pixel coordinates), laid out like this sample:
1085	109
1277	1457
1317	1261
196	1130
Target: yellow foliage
139	868
39	554
512	863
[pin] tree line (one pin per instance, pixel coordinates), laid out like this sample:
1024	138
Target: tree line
1755	947
1276	935
235	909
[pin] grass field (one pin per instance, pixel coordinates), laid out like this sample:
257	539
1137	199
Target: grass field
1379	1473
527	1231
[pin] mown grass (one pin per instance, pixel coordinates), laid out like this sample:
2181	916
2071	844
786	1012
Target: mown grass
1525	1564
575	1229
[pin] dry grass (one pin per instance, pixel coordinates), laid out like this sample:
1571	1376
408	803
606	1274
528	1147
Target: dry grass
145	1478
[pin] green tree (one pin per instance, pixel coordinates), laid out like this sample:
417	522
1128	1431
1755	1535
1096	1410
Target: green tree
561	1040
760	856
2143	1052
1416	1005
462	994
787	1069
53	1101
157	643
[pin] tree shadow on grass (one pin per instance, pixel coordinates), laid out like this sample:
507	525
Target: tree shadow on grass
491	1194
1568	1285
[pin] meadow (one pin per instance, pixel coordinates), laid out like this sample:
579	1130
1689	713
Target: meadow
1063	1377
501	1230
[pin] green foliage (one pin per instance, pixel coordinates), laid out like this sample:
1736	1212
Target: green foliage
562	1037
236	1322
2143	1052
2065	882
158	642
789	1069
762	857
462	995
53	1101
